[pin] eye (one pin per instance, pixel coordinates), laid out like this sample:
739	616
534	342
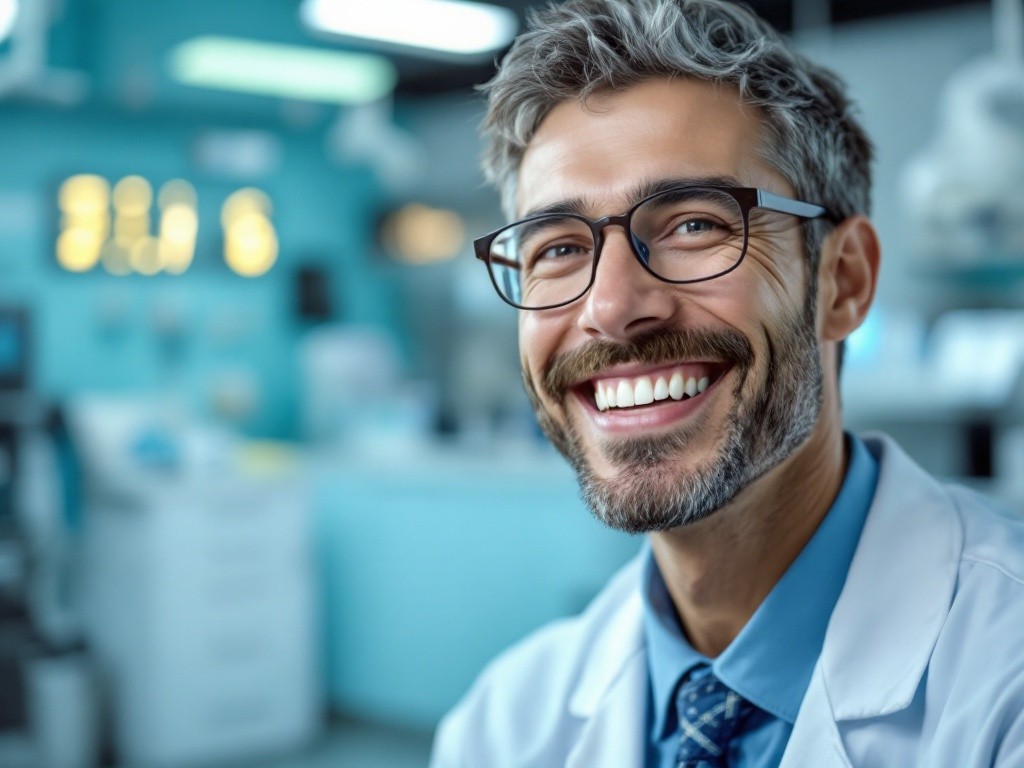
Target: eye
698	226
561	250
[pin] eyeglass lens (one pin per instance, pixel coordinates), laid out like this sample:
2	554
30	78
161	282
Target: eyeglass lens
686	234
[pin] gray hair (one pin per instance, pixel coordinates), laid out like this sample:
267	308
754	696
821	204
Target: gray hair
577	48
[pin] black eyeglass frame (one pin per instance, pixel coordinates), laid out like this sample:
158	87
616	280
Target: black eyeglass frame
747	198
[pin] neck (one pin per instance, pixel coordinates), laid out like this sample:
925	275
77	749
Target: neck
718	571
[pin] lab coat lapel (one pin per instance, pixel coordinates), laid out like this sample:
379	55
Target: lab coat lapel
614	735
611	697
888	617
897	594
815	739
885	624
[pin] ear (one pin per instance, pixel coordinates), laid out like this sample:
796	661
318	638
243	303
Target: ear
847	276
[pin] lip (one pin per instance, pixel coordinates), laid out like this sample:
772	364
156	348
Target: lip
658	415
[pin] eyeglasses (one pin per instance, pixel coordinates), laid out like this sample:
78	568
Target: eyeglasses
686	234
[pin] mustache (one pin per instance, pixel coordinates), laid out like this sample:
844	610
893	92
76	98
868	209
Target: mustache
652	348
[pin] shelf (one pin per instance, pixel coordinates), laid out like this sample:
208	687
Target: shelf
989	274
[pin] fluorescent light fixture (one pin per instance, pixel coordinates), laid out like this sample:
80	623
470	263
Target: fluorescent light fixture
445	26
291	72
8	15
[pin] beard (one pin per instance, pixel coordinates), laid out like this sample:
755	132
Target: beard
645	494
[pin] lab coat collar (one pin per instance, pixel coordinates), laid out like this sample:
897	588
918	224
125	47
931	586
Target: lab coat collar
611	695
616	648
615	735
897	594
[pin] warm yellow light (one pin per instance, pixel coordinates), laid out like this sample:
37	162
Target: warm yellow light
84	195
244	202
144	256
176	259
85	222
250	245
115	259
78	249
250	241
419	234
128	230
95	221
177	192
133	196
178	226
123	243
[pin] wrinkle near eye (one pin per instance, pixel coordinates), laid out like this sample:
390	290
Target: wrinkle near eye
777	266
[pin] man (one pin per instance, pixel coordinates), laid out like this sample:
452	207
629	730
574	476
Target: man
689	249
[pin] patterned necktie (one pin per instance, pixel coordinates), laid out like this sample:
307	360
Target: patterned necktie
709	716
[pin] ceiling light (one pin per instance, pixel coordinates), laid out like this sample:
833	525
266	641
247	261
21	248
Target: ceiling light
290	72
444	26
8	15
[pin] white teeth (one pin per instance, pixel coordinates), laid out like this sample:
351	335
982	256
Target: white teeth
643	391
661	389
609	397
624	395
675	386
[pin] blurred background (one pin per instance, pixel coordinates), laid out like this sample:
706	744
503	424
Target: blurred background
270	491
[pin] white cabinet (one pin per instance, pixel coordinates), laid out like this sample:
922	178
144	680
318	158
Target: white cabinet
202	611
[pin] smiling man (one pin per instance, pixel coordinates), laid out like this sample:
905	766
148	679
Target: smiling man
689	248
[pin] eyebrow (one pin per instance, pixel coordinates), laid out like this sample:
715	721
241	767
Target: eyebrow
580	205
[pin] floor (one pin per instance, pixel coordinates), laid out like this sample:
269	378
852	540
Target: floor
349	743
346	743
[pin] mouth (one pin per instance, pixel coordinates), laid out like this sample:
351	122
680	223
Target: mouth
627	391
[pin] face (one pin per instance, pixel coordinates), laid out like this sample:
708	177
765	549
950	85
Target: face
732	364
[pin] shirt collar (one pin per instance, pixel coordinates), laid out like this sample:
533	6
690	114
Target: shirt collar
771	660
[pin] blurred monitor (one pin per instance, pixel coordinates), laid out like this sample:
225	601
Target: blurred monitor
14	344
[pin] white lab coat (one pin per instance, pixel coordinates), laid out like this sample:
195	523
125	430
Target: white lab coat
922	663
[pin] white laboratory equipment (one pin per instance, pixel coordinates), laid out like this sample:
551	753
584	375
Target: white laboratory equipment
964	194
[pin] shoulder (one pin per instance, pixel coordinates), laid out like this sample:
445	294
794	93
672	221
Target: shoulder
987	611
519	710
977	665
987	534
993	536
988	546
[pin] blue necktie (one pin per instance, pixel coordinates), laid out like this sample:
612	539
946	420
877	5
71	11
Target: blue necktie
709	716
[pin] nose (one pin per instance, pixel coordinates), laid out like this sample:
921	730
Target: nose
625	300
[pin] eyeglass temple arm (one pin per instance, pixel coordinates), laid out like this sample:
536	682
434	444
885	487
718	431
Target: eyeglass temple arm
500	261
781	204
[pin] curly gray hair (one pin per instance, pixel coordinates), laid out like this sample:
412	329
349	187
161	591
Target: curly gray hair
576	48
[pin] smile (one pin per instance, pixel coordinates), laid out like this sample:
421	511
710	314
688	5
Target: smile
674	383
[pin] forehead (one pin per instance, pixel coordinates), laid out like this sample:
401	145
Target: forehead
613	142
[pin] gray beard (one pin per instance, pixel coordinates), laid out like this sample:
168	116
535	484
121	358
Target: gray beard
644	496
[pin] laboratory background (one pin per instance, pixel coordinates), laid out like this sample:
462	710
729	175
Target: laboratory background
271	493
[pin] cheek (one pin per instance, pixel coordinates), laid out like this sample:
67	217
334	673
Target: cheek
778	285
528	343
540	335
742	300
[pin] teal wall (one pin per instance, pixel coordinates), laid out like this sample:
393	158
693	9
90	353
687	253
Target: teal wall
323	213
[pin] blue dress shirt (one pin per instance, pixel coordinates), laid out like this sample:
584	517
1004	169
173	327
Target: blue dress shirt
770	662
